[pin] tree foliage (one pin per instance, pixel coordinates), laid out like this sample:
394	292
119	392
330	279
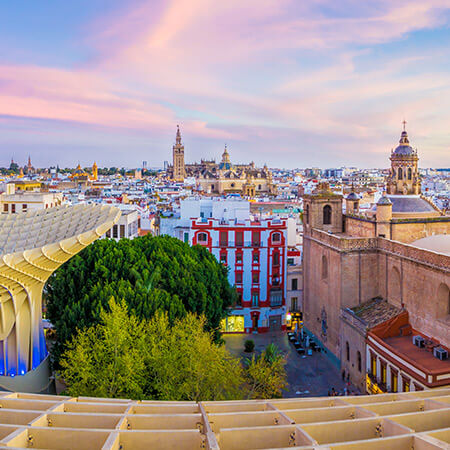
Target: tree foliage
106	360
149	273
125	357
265	374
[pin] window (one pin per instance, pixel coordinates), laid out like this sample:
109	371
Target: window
255	277
114	233
276	259
24	207
255	238
255	258
327	215
239	298
400	173
409	174
202	237
223	258
238	258
276	280
238	277
294	303
13	208
383	372
239	238
223	238
373	365
394	381
324	268
294	284
406	384
5	207
307	215
358	357
347	351
122	231
276	237
108	234
259	187
276	297
232	324
355	206
186	238
255	299
290	261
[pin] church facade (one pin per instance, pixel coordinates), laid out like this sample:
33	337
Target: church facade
371	283
222	178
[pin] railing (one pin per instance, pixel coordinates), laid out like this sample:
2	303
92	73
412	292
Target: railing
246	244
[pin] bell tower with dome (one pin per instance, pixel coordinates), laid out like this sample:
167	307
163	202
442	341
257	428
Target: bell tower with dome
404	178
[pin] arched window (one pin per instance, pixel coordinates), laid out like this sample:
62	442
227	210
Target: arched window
400	173
327	215
409	174
307	215
347	351
324	267
358	357
276	237
443	303
202	237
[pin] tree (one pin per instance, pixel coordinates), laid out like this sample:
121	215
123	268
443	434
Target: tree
265	375
131	358
149	273
106	360
184	362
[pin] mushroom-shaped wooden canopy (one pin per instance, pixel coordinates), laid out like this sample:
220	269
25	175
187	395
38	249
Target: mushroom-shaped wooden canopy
32	246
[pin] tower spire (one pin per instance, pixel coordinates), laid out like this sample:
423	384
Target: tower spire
178	136
404	124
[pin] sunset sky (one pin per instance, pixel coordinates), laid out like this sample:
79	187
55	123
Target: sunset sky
289	83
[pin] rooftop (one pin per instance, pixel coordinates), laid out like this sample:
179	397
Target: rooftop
386	421
403	345
375	311
439	243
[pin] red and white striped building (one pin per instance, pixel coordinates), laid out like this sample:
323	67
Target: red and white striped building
256	253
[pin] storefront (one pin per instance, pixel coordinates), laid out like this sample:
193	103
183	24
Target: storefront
294	320
232	324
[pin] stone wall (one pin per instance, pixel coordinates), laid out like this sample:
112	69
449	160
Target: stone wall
353	331
409	231
359	269
356	226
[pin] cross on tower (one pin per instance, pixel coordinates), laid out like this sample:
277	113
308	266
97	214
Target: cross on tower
404	124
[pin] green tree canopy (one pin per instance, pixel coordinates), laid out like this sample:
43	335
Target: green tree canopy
149	273
265	374
154	359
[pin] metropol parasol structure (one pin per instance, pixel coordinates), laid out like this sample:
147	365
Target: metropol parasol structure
33	245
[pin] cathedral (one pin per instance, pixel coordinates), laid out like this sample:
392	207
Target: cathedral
377	282
223	178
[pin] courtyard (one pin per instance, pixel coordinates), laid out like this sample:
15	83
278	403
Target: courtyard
307	376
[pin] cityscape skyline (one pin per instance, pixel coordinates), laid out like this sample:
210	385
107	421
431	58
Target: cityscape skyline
284	84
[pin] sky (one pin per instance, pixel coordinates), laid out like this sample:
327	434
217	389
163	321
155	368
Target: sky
289	83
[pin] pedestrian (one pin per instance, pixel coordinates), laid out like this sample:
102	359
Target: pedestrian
343	375
333	392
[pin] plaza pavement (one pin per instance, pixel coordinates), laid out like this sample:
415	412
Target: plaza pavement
312	376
